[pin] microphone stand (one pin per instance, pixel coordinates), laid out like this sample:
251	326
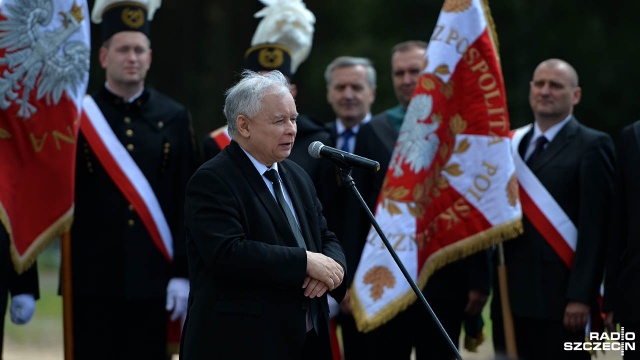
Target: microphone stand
345	172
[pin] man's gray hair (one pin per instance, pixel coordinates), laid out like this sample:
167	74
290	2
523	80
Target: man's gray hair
349	61
245	97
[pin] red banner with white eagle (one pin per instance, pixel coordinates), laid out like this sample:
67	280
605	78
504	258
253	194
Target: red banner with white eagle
44	69
450	189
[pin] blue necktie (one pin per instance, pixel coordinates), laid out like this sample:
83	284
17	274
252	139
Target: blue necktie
346	136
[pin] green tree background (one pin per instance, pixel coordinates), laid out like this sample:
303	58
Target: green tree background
199	46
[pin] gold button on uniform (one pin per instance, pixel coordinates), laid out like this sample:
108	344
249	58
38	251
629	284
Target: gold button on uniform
130	147
130	207
127	120
160	124
129	132
131	222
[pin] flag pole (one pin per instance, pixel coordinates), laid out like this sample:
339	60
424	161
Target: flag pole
507	317
67	310
345	172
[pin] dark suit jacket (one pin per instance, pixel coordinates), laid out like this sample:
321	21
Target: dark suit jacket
113	254
622	291
245	267
331	191
576	168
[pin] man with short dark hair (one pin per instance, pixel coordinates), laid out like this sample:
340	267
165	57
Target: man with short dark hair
135	155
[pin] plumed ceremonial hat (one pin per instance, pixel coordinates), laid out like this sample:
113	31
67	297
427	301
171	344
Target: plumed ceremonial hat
283	38
124	15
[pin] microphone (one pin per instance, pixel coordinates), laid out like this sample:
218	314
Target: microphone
342	158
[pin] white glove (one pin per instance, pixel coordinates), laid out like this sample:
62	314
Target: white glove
177	297
22	308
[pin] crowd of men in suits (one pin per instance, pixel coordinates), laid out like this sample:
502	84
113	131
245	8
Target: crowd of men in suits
552	301
583	176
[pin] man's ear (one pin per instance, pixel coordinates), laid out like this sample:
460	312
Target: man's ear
577	95
243	126
102	56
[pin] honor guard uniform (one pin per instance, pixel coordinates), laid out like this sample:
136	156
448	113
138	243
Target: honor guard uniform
135	155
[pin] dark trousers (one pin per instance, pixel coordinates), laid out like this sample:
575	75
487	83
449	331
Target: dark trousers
539	339
354	343
3	309
314	348
118	329
415	328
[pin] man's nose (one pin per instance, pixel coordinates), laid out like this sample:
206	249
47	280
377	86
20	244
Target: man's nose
131	55
348	93
292	128
545	89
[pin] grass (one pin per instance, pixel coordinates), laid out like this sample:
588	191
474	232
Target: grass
42	337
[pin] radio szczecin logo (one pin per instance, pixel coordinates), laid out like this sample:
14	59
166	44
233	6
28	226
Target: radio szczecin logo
612	341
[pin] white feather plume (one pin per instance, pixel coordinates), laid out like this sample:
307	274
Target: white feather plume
101	5
289	23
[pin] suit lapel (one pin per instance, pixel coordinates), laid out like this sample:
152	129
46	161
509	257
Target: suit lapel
262	191
294	193
333	133
555	147
524	143
382	129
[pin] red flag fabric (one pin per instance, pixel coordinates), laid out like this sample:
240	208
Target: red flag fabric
450	189
44	68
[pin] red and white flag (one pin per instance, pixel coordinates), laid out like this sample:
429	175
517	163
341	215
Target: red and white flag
450	189
44	71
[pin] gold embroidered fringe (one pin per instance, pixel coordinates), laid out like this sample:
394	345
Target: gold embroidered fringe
24	262
456	251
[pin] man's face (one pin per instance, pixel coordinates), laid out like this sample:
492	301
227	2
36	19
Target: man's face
350	95
553	93
127	59
272	131
406	68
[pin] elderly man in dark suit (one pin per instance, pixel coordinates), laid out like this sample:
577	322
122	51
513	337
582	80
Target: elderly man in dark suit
261	258
555	268
622	293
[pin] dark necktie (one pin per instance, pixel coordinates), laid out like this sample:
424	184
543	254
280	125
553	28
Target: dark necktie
272	175
540	143
346	136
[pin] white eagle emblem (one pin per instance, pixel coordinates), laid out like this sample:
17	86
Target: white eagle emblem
417	142
40	58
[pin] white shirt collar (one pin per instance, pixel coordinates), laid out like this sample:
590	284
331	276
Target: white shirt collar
341	128
258	165
551	132
133	98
